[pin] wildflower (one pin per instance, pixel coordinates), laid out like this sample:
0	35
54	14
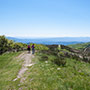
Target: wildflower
58	68
46	61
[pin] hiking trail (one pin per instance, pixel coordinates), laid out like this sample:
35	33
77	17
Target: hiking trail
27	57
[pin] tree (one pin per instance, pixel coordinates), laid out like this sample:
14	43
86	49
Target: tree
3	44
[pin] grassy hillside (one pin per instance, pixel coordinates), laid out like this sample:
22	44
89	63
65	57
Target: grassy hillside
9	68
80	46
45	75
53	70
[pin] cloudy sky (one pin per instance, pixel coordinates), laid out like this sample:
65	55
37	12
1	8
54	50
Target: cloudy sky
45	18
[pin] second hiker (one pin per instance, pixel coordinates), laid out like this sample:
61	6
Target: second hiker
33	49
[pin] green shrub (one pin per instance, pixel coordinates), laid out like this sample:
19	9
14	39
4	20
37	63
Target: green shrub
3	44
9	45
44	58
60	61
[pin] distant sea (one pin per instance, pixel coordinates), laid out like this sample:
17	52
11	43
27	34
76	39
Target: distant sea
51	41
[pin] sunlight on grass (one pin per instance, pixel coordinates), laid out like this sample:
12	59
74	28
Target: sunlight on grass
9	68
48	76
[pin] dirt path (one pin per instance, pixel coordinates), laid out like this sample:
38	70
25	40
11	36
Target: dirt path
27	57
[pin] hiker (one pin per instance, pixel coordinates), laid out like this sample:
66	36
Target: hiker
33	49
29	48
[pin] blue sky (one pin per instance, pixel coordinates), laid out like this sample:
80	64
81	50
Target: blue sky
45	18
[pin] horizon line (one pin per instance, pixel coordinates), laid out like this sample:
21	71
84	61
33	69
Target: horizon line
46	37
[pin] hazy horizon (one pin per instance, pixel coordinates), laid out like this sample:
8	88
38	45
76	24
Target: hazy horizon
51	41
49	37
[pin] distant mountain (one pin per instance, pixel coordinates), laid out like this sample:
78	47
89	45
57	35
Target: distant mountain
50	41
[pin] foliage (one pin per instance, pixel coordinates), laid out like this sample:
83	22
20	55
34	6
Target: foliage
3	44
9	45
53	55
60	61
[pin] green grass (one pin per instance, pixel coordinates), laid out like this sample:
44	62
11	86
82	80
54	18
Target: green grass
9	68
79	46
45	75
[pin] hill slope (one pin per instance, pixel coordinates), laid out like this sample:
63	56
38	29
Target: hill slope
54	69
80	46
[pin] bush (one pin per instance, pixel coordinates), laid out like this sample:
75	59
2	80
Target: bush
60	61
44	58
9	45
3	44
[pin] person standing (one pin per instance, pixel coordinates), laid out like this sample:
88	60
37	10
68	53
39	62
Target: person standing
29	48
33	49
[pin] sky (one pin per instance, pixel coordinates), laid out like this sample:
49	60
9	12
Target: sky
45	18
